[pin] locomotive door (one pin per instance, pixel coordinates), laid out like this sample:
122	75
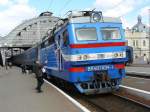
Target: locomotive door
59	55
62	47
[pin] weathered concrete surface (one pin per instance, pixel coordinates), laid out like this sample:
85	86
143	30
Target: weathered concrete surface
17	94
136	81
145	70
139	83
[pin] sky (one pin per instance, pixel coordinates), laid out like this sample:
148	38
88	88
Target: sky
14	12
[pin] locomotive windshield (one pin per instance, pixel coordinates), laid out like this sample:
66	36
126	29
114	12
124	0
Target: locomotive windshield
86	34
110	33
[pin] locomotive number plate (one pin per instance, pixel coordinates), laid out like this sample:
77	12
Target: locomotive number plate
101	67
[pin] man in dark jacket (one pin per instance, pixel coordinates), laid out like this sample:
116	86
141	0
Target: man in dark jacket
39	76
23	68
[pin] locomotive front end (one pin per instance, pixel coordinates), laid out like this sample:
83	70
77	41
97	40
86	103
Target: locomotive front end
97	53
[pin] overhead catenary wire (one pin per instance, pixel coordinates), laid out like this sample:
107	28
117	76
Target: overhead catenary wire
50	4
64	6
118	4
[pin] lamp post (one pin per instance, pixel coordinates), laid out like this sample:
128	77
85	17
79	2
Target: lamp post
149	33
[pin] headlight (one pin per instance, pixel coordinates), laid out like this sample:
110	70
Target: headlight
119	55
85	57
96	17
116	55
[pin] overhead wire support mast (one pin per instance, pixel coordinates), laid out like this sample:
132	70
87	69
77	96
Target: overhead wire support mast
149	33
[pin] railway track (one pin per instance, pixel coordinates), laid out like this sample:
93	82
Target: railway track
132	100
138	75
113	103
108	102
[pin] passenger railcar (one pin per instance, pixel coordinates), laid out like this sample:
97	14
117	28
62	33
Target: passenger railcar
26	58
86	50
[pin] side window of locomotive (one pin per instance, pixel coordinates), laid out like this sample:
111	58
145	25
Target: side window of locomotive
57	41
42	45
86	34
46	43
65	38
59	38
110	33
51	40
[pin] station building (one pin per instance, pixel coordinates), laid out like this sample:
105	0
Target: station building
138	38
27	34
1	38
30	31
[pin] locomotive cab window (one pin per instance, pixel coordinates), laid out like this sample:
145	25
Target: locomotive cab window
65	38
110	33
46	43
86	34
42	45
51	40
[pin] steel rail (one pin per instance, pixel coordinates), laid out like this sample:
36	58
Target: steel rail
126	98
139	75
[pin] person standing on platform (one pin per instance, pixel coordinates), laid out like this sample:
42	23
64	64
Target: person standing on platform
23	68
6	64
146	59
10	65
39	76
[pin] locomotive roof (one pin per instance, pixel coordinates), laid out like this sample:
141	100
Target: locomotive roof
85	17
88	20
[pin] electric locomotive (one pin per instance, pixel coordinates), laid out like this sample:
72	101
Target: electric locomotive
86	50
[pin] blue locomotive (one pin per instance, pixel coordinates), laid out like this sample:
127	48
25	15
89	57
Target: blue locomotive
85	50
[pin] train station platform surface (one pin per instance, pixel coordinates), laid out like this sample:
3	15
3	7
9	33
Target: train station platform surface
138	65
17	94
138	79
136	82
138	70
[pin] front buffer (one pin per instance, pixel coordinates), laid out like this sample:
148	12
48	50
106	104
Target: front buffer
97	79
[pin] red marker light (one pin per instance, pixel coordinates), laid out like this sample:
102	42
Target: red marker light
76	69
120	66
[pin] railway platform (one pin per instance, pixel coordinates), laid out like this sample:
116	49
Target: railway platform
139	71
137	77
135	84
138	83
17	94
